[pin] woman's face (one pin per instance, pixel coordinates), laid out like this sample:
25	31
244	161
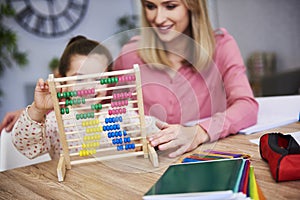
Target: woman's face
84	65
170	18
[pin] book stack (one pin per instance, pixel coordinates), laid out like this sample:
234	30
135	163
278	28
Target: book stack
208	178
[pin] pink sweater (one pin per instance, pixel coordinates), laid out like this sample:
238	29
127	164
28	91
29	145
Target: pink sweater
219	99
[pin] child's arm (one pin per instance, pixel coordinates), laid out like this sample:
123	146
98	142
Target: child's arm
29	134
42	101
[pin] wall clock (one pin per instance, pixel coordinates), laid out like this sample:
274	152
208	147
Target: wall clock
49	18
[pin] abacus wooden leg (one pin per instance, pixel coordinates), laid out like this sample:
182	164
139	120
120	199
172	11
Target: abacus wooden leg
153	156
61	168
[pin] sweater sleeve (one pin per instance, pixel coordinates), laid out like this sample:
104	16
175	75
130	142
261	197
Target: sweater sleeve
241	107
29	137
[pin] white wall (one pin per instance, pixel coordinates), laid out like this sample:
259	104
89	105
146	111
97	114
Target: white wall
263	25
99	24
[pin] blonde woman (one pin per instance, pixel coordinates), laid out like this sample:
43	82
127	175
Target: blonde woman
191	74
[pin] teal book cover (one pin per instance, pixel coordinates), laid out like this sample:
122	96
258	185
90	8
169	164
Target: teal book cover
207	177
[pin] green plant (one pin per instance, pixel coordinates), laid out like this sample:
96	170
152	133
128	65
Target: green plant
126	23
9	51
53	64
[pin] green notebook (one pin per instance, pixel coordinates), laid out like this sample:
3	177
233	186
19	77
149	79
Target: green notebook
218	177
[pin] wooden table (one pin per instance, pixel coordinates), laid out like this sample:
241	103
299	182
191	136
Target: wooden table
112	180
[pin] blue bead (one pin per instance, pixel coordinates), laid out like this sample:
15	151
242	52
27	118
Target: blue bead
106	120
124	132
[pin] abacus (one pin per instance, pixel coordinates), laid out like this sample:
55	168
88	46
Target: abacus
90	131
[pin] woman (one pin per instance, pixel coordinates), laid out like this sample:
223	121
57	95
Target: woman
189	72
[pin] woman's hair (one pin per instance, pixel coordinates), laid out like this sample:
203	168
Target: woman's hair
151	49
80	45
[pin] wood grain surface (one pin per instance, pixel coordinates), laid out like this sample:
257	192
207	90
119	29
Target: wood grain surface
131	178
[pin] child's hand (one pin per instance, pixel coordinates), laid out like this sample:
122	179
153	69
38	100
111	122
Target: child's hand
42	96
184	139
42	101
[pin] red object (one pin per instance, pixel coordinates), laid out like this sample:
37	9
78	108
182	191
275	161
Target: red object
282	153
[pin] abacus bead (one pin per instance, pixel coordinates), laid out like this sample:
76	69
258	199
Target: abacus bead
67	110
62	111
67	102
124	132
83	100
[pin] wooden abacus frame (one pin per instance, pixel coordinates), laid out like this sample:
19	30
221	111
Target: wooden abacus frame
65	161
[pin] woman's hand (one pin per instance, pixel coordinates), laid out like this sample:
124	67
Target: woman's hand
42	101
9	120
184	139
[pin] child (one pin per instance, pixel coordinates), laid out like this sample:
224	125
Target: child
36	130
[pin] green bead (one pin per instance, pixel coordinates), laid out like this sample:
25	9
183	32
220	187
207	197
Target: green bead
109	80
83	100
92	115
77	116
92	106
101	81
58	95
67	102
99	106
71	102
62	111
116	79
78	101
67	111
65	94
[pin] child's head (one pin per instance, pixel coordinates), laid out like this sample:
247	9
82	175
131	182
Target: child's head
84	56
81	57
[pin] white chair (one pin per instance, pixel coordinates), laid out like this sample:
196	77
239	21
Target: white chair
11	158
